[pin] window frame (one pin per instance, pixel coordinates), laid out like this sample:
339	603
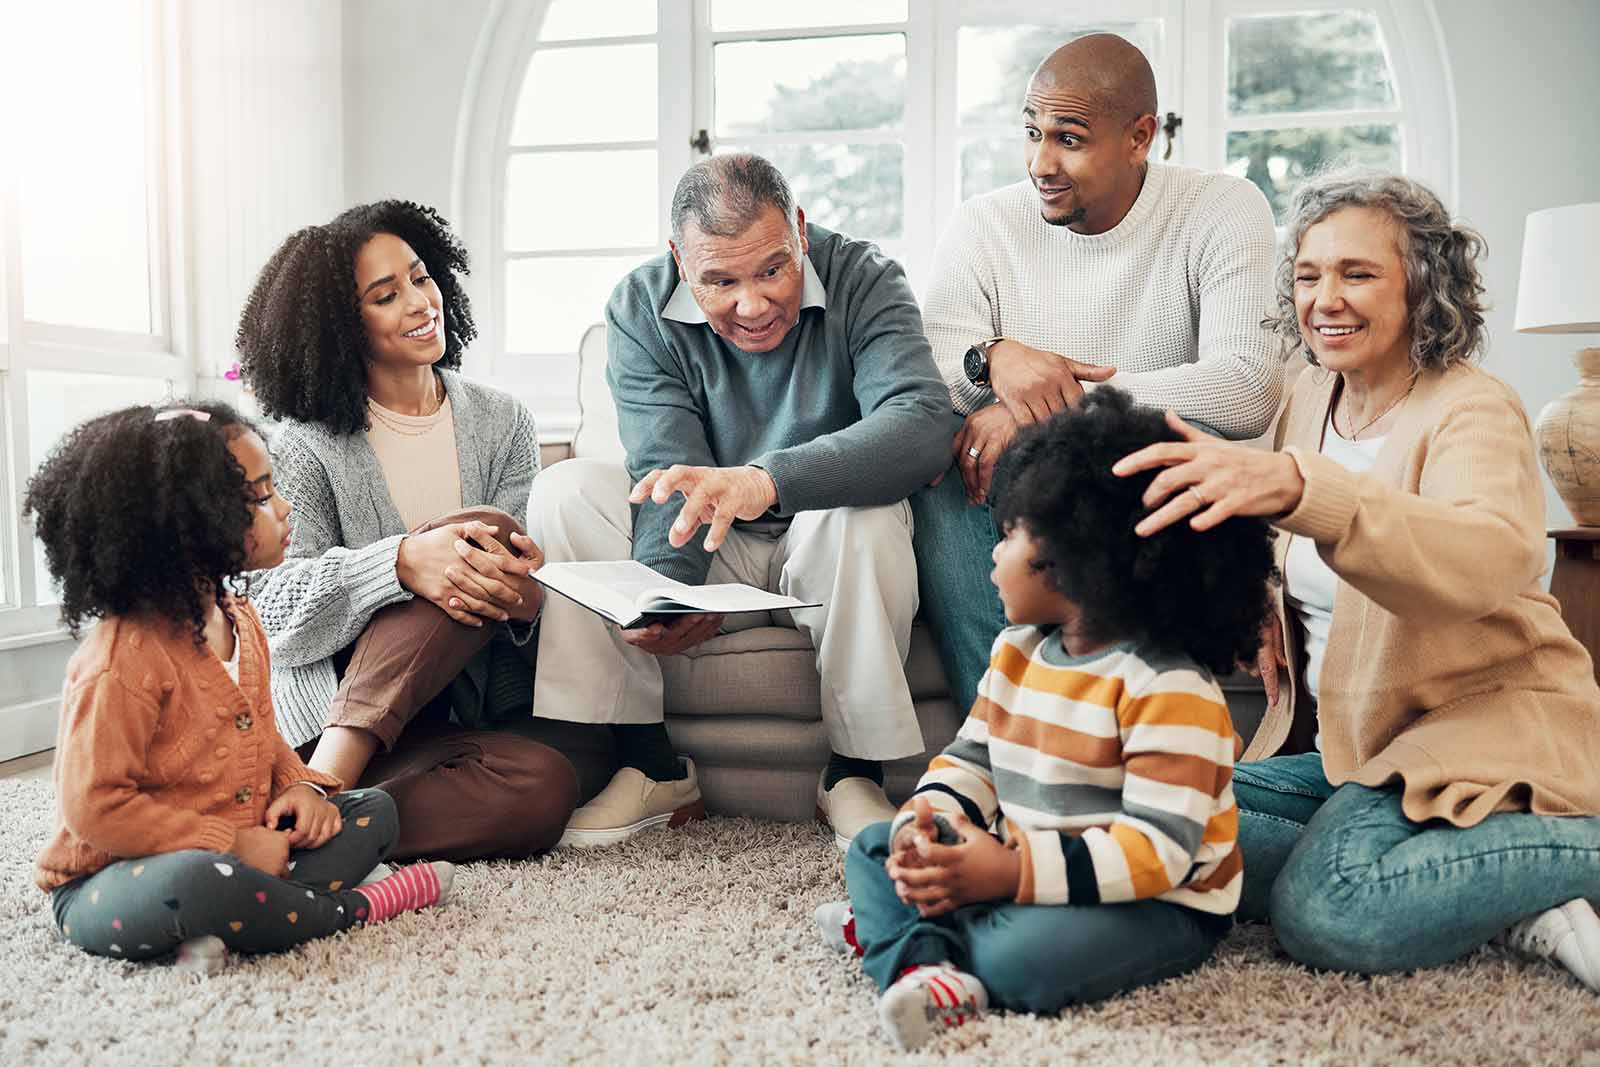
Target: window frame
1191	80
41	347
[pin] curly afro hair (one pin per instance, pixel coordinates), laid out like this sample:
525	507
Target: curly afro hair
140	516
301	343
1202	594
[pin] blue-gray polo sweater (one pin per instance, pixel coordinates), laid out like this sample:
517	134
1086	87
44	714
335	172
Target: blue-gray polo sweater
848	411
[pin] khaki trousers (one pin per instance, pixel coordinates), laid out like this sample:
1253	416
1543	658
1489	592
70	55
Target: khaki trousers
856	562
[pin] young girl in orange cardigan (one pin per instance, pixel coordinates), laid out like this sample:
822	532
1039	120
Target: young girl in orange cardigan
185	821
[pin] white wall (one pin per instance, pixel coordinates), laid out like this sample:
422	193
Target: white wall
264	142
1526	83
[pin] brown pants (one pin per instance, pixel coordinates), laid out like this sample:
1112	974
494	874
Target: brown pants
461	794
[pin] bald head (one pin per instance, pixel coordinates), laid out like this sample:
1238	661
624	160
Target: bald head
1110	71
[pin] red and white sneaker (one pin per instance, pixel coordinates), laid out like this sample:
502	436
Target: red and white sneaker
836	920
927	1000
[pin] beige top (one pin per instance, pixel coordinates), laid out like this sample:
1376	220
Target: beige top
419	461
1448	667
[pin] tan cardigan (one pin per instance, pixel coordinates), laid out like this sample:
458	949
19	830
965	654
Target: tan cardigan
159	750
1447	666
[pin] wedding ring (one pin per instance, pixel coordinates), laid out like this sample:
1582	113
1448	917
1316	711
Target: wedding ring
973	452
1202	501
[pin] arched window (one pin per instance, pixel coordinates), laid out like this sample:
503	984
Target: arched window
885	115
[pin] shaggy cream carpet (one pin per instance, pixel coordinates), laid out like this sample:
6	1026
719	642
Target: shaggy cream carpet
697	946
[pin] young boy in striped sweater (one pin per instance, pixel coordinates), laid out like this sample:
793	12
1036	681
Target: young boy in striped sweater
1077	839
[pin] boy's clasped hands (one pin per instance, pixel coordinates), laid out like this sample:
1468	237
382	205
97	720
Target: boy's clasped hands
938	877
314	822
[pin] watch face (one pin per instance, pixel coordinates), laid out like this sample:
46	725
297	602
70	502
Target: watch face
975	365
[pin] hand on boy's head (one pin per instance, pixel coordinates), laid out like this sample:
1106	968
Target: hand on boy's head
1206	480
316	821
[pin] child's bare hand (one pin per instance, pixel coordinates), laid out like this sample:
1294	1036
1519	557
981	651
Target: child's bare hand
942	878
903	846
265	850
315	820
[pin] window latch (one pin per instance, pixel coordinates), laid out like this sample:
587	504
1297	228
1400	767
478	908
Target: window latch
701	142
1169	127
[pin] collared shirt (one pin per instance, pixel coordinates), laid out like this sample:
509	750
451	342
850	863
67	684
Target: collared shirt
846	411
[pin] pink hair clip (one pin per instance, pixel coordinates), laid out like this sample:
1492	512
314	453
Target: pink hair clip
175	413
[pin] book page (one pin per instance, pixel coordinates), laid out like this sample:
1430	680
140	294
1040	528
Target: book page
724	599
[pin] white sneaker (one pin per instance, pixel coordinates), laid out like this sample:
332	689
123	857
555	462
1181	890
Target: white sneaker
928	1000
204	956
631	803
836	921
1568	935
852	805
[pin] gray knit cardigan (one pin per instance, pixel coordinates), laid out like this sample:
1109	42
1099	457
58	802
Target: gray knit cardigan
346	533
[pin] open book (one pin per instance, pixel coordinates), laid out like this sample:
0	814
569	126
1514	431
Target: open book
626	591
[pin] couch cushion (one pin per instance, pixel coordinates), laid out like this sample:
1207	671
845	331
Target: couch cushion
596	437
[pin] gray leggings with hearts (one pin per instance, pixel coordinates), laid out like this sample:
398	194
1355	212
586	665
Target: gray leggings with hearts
138	909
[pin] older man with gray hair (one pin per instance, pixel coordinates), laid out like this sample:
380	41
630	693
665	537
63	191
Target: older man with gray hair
773	384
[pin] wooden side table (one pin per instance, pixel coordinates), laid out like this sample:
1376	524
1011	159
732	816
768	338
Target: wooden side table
1575	582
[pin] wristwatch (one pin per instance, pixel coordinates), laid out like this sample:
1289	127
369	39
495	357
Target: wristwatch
976	361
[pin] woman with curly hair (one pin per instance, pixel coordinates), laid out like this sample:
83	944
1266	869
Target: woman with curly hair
185	821
1427	776
403	621
1076	840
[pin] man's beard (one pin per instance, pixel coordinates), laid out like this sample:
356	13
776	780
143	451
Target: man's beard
1076	215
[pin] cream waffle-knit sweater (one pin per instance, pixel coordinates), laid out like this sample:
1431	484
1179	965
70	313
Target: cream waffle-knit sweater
1172	296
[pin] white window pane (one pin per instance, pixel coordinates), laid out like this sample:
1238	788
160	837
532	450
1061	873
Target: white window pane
560	200
1277	160
58	401
550	302
988	164
833	83
568	20
1332	61
617	84
85	241
735	15
994	63
856	189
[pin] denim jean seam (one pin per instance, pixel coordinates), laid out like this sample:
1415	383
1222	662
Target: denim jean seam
1340	867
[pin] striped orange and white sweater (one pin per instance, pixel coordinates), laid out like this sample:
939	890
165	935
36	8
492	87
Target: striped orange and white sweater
1110	772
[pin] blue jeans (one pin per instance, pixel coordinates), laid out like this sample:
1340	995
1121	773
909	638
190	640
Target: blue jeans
1350	884
954	544
1030	957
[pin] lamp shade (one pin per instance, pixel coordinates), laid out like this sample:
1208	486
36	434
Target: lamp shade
1559	291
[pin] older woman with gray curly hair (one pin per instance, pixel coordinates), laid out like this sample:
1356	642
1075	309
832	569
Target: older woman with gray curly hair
1426	776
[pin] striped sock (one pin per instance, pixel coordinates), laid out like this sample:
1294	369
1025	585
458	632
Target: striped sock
408	889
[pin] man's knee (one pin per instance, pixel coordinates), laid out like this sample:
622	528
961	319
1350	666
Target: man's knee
539	795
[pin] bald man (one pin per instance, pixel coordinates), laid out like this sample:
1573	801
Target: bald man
1102	266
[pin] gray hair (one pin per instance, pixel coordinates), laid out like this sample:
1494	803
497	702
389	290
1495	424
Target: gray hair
722	195
1444	292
